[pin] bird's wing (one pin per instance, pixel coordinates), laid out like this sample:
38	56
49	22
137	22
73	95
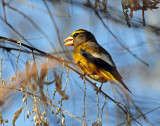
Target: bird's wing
99	60
105	63
104	57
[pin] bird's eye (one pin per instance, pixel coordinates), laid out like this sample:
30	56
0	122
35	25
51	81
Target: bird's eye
75	34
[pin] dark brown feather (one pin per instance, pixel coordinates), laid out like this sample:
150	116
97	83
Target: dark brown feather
104	65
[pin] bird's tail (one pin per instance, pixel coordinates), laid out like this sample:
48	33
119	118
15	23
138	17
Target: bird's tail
117	78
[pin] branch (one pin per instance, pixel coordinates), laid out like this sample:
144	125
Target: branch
65	62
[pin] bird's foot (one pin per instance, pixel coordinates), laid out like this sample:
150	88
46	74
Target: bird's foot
82	76
99	88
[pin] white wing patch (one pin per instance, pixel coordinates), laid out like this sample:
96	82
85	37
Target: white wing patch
103	57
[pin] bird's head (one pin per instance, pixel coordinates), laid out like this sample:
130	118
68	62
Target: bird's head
79	37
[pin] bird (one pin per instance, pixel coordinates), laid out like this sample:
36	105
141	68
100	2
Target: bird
92	59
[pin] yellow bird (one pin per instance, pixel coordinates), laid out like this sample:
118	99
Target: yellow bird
92	59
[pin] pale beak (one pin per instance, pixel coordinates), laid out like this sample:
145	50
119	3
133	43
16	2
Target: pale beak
69	41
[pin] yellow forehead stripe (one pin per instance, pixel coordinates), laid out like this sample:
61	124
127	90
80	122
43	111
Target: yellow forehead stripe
79	31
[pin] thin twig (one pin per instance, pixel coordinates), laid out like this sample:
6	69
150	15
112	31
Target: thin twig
152	110
18	56
16	31
103	107
48	102
97	108
34	24
4	10
57	30
66	64
143	9
123	46
1	68
84	102
35	49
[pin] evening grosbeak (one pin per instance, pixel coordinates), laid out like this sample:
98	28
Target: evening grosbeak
92	59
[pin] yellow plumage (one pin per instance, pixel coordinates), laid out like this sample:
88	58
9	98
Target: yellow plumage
92	59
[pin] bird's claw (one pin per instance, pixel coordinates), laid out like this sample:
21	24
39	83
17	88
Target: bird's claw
82	75
99	88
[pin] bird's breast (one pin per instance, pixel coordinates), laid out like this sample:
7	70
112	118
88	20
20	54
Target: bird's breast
88	68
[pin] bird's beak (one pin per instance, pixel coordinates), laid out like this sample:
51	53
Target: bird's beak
69	41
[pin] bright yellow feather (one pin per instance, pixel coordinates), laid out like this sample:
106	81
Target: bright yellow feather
108	75
91	70
78	31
